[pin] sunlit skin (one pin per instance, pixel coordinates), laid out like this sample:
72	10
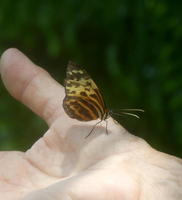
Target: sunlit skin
64	165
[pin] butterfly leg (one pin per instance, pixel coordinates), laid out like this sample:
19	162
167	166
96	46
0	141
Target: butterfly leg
93	128
106	127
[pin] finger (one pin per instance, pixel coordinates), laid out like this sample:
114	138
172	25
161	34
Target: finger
31	85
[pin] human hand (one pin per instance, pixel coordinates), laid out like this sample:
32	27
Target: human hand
63	165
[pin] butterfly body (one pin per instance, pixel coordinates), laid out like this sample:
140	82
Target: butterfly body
83	100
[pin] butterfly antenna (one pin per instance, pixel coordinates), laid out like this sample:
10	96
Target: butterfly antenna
131	114
133	110
125	113
93	128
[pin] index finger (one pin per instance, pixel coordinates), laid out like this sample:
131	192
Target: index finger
31	85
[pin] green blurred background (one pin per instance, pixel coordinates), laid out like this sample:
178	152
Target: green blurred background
132	49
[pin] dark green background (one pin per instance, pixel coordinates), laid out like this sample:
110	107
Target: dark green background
132	49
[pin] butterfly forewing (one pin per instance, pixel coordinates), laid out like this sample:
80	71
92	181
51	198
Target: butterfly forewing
83	100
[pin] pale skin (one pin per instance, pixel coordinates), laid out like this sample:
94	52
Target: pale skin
63	165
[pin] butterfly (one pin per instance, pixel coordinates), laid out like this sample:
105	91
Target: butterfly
83	100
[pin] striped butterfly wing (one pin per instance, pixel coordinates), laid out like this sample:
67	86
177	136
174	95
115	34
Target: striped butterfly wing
83	100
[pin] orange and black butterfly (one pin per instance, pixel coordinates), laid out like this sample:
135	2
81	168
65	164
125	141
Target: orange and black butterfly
83	100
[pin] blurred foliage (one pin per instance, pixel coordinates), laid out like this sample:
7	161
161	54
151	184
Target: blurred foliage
132	49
